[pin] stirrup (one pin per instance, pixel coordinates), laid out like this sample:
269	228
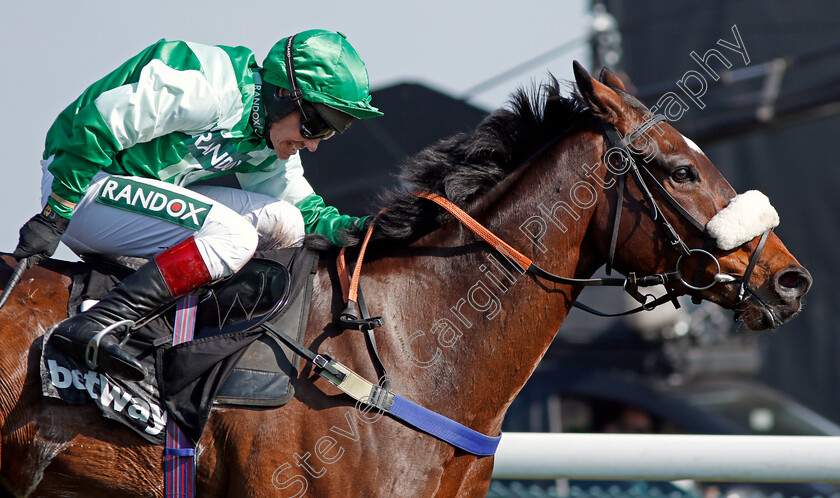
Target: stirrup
92	350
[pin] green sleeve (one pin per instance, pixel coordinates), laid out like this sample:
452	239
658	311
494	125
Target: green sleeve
162	90
325	220
91	149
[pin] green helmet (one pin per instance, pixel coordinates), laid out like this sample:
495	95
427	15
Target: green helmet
327	70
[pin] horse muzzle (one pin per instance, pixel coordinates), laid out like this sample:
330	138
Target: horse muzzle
768	302
777	302
763	299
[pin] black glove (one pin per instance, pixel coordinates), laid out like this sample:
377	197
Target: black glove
40	236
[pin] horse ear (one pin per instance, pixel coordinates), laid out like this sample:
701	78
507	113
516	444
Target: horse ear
602	100
609	78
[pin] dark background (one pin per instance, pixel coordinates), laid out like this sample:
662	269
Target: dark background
790	154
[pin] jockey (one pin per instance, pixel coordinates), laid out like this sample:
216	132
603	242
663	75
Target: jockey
122	161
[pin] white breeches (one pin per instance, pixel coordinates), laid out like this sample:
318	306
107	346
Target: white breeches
236	224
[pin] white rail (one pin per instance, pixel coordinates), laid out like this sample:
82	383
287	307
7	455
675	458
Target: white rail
668	457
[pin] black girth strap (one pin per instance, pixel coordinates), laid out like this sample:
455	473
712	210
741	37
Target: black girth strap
356	317
371	342
322	361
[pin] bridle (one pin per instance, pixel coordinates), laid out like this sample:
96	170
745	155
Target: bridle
631	284
629	167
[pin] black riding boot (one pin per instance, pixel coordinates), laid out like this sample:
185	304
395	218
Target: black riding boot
152	287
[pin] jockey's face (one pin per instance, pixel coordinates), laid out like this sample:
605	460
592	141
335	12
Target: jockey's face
286	138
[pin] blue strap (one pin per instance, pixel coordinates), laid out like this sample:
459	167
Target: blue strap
182	452
444	428
409	412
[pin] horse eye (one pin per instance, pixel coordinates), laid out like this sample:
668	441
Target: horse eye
682	175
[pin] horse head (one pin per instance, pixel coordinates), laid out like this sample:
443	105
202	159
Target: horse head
723	244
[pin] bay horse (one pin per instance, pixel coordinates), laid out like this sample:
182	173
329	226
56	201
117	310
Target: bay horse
463	328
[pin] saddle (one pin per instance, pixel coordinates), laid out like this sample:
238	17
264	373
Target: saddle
230	361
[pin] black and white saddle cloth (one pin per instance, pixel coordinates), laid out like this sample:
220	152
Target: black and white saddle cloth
230	361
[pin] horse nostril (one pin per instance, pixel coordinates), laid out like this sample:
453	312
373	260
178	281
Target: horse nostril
793	282
789	280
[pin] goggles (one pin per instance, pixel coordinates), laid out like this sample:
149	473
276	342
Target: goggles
312	124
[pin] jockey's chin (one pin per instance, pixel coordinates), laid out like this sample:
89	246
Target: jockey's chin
286	137
286	150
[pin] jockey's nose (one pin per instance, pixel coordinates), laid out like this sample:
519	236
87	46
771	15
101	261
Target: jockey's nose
311	144
792	283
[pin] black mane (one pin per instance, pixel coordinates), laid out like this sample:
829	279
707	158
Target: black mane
465	166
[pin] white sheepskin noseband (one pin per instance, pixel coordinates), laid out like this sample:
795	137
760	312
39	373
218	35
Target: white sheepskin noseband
746	217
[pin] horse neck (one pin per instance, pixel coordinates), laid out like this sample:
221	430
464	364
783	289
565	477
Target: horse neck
470	328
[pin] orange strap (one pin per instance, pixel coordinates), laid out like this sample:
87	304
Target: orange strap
343	275
477	228
350	287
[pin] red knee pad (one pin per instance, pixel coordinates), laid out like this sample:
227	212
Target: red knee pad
182	267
